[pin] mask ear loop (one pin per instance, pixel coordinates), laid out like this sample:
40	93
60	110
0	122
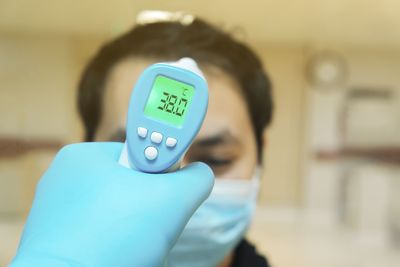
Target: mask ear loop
256	183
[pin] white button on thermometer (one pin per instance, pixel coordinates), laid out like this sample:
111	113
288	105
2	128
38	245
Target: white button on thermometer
166	110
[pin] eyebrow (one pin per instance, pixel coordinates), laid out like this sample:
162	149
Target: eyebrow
224	137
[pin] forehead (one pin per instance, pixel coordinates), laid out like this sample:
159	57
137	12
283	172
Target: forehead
226	110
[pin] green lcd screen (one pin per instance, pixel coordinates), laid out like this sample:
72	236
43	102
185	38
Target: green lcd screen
169	100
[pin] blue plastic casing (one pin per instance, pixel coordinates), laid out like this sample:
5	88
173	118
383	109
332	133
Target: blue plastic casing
184	134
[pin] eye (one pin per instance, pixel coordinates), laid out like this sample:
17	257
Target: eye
218	165
217	162
219	159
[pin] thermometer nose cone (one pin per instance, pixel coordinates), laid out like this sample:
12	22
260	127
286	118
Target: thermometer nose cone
190	64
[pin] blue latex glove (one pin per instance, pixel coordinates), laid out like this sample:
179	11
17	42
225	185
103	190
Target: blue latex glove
90	211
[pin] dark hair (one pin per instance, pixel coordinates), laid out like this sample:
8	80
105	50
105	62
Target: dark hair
171	41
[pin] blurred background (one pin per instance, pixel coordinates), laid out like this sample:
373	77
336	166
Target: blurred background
330	193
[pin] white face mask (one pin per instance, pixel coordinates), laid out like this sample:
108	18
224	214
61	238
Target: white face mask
218	225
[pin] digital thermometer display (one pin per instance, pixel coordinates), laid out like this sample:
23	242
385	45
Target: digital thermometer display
169	100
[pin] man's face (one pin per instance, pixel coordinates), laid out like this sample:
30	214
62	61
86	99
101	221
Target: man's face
226	141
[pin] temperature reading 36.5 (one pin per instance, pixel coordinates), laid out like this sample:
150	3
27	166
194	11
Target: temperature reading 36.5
173	104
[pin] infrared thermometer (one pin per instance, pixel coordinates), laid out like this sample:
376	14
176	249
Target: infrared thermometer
166	110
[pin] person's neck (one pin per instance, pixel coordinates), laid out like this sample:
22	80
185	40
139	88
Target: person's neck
227	262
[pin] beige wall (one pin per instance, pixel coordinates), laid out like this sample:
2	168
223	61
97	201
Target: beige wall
38	76
282	178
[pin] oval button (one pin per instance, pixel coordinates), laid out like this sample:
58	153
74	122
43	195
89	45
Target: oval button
171	142
156	137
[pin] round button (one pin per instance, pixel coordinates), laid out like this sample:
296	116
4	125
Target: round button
151	153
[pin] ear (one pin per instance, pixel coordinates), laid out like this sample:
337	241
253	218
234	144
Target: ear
265	139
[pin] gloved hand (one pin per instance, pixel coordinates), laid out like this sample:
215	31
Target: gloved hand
90	211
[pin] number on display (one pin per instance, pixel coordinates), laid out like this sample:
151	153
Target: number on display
173	104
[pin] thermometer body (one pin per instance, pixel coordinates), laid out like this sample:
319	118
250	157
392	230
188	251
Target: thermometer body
166	110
